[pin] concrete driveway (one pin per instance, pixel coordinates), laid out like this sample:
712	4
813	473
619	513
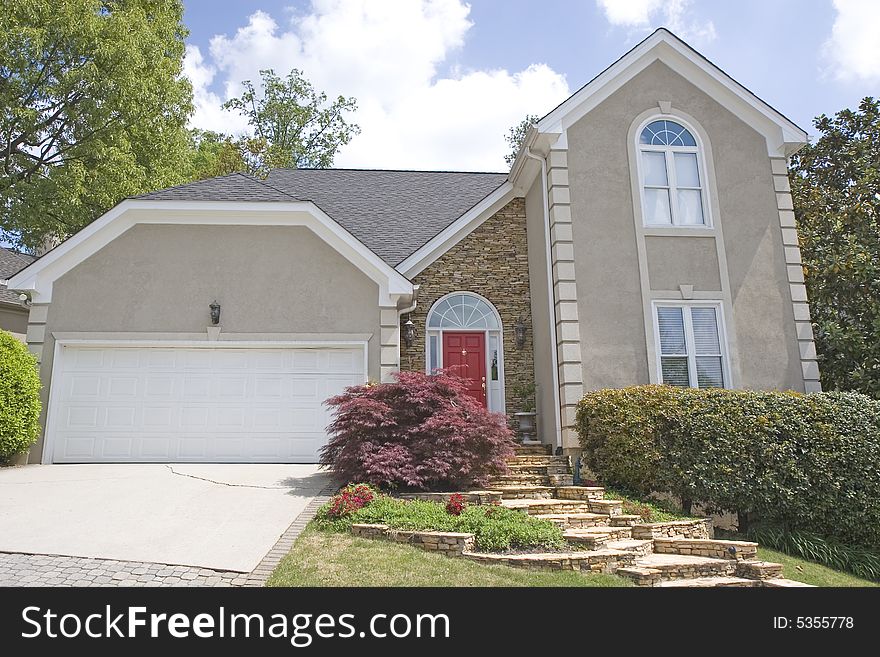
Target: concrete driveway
219	516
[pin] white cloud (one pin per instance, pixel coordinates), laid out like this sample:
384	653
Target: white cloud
853	49
643	15
387	55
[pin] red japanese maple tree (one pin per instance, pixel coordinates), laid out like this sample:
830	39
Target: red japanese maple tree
421	431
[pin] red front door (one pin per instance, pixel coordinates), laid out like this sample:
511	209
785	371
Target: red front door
467	353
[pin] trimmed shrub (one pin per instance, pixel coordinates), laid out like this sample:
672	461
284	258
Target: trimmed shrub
495	528
350	499
422	431
800	462
19	397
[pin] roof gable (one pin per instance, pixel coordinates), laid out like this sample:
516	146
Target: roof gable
783	136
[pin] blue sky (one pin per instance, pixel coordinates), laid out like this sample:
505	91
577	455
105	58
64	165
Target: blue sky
439	81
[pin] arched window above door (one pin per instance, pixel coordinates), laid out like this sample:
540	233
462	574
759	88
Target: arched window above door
463	311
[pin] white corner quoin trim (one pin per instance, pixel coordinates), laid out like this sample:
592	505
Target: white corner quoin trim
782	135
38	278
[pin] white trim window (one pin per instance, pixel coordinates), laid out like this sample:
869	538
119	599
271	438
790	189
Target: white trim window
691	349
671	175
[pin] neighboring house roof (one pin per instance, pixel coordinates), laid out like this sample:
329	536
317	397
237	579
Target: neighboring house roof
10	263
392	213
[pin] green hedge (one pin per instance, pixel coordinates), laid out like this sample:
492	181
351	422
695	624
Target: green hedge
19	397
805	462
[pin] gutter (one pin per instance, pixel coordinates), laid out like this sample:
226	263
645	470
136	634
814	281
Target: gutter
554	352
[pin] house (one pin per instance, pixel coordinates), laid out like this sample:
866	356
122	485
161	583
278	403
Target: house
13	314
645	233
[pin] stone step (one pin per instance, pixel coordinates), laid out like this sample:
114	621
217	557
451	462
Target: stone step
536	450
543	506
531	480
608	507
710	582
580	492
759	570
625	520
597	561
698	528
613	533
525	492
535	459
574	520
639	548
736	550
539	469
655	568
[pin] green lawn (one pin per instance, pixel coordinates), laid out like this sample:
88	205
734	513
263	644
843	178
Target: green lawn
335	559
809	572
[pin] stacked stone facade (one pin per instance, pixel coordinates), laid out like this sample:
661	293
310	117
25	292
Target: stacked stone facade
492	261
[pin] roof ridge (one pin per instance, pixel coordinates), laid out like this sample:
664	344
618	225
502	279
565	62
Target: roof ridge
272	187
479	173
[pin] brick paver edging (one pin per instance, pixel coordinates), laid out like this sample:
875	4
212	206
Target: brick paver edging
259	575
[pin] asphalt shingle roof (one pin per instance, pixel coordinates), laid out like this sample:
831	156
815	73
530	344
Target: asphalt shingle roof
11	262
392	212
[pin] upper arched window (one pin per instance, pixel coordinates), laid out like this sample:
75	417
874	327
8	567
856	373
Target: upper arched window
673	191
463	311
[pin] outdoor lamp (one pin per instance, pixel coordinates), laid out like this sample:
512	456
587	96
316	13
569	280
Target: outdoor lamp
519	330
409	333
215	313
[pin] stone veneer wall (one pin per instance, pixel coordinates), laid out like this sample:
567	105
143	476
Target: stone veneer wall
493	262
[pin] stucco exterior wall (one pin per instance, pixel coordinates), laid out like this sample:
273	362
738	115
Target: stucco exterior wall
542	324
14	320
493	261
161	279
752	272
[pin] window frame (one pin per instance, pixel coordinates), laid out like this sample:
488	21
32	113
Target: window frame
686	306
671	176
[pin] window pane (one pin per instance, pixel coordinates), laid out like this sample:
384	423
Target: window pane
690	207
432	353
675	371
657	206
705	331
686	173
671	326
709	374
655	169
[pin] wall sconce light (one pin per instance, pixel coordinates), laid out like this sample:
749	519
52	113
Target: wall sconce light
409	332
24	299
215	313
519	331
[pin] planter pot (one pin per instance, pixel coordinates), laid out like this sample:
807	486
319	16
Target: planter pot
526	426
21	458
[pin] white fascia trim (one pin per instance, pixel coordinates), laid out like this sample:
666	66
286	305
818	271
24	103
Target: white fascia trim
783	137
38	278
456	231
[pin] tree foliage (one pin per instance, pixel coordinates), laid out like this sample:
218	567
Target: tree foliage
517	134
422	431
92	109
19	397
294	126
836	192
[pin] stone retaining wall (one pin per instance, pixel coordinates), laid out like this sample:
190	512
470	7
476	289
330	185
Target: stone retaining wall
674	529
737	550
450	544
471	497
579	493
602	562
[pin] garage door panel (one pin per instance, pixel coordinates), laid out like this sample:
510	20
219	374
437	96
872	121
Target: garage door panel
196	404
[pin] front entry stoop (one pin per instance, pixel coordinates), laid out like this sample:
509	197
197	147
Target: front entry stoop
604	539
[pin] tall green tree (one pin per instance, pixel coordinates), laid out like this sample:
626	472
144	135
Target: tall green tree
836	192
516	135
215	154
93	108
294	126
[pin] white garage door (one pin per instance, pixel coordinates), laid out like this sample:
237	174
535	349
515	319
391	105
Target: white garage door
209	404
